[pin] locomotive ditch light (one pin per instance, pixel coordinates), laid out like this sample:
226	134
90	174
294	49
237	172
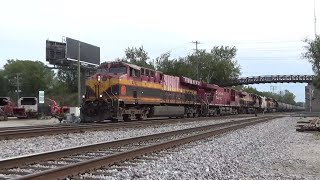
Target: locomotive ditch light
101	95
83	96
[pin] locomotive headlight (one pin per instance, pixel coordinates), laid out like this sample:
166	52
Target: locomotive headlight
83	96
99	78
101	95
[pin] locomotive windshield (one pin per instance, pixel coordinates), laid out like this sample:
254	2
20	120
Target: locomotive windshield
118	70
102	71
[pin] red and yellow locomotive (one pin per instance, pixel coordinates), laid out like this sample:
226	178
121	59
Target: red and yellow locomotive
123	90
119	90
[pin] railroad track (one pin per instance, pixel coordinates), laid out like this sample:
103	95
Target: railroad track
32	131
75	161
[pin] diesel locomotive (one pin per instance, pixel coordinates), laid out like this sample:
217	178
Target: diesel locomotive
120	90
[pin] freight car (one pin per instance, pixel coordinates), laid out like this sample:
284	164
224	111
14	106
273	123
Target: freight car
119	90
10	109
283	107
3	116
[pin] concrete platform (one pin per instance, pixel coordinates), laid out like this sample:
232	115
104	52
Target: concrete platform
28	122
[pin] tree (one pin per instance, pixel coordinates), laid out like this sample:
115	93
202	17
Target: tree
312	54
288	97
4	84
174	67
216	66
138	56
68	78
33	76
223	65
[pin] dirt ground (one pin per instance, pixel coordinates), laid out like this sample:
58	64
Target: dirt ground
303	156
308	153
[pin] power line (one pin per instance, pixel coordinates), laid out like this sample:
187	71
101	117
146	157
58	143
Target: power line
252	42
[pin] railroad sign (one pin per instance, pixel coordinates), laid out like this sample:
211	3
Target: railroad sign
41	97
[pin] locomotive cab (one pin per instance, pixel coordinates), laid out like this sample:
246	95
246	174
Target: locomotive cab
109	90
101	99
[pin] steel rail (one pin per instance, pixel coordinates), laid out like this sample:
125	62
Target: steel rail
92	164
30	159
32	131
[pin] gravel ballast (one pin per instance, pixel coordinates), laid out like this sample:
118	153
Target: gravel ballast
24	146
272	150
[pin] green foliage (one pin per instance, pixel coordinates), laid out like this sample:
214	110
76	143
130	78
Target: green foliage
68	78
220	66
312	53
4	84
33	76
216	66
316	82
175	67
138	56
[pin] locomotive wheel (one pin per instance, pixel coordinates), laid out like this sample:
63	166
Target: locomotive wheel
114	120
83	119
126	118
139	117
188	115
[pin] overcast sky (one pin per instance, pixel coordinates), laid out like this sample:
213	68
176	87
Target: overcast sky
267	33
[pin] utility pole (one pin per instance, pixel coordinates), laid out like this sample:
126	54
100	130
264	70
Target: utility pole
273	88
79	78
18	86
310	98
315	18
197	42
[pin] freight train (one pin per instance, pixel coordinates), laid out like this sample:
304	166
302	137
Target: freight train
120	90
